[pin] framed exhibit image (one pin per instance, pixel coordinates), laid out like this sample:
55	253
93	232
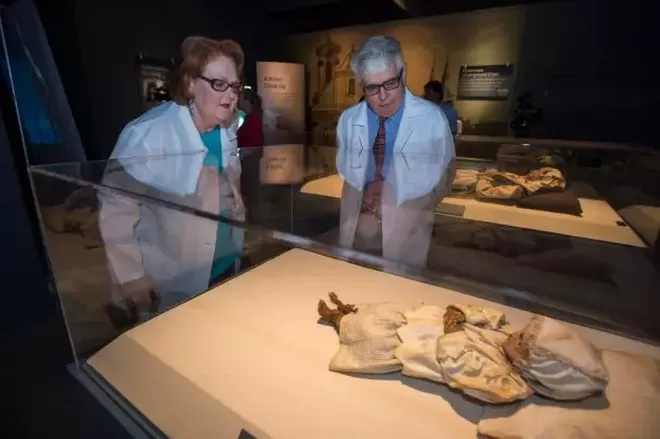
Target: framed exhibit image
153	76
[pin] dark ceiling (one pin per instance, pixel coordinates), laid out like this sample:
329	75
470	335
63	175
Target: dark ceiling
298	16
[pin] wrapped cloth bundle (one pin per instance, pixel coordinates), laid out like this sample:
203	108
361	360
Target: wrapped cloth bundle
503	185
468	348
465	180
556	361
456	315
624	410
461	349
367	335
472	360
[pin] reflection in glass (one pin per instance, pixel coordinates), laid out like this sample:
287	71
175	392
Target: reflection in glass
582	268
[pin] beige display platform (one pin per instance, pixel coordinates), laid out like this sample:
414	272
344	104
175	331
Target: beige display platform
251	354
598	220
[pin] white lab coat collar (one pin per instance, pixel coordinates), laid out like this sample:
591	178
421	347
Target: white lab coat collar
171	157
227	135
411	110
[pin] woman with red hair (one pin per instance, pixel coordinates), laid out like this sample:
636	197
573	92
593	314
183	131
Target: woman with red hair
183	151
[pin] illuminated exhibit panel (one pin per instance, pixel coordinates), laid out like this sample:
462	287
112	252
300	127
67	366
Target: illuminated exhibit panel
250	354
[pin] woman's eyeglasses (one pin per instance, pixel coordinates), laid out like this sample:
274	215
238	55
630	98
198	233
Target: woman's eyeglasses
222	85
389	85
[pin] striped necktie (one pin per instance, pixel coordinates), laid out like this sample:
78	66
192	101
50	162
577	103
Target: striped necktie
379	149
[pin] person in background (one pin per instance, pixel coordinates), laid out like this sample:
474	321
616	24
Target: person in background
251	142
394	152
526	116
251	132
183	151
434	91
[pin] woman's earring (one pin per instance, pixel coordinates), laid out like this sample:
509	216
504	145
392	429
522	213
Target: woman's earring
191	106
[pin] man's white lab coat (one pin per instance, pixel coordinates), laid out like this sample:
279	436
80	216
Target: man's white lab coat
418	177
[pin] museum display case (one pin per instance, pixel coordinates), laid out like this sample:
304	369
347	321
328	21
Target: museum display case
200	307
574	224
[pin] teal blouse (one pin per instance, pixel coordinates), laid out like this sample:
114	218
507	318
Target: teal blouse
213	142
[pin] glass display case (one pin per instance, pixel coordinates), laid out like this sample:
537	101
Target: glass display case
192	298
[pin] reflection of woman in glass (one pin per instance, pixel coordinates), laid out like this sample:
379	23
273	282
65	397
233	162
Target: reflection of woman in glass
188	155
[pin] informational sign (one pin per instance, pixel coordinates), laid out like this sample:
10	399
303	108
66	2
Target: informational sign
282	90
490	83
282	164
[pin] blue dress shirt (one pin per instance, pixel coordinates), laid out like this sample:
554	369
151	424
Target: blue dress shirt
391	129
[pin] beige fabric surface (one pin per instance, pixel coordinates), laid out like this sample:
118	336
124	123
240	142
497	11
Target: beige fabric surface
368	338
556	361
627	410
425	315
419	358
487	188
472	360
419	340
488	318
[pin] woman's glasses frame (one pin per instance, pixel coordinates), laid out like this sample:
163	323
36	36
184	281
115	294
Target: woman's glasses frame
221	85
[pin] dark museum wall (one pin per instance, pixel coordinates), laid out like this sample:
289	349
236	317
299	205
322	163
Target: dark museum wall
586	63
108	35
577	58
25	294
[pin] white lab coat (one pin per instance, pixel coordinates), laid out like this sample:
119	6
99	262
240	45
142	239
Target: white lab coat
419	176
161	155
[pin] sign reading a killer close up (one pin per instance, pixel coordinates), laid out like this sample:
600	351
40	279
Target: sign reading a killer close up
485	83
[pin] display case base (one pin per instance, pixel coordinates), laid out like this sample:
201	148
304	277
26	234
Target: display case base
121	410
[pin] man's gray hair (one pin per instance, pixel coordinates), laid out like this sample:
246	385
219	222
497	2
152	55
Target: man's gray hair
376	55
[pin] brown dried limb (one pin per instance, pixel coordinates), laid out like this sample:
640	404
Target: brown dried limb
344	308
333	316
453	319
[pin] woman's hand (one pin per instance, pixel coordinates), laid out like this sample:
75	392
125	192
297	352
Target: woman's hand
139	292
238	205
372	198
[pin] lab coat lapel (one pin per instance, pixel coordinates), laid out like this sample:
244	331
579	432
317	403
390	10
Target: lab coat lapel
191	141
192	150
410	112
359	148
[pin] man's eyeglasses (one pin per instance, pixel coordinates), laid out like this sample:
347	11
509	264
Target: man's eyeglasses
222	85
389	85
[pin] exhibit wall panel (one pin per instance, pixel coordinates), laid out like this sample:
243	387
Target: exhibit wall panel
434	48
